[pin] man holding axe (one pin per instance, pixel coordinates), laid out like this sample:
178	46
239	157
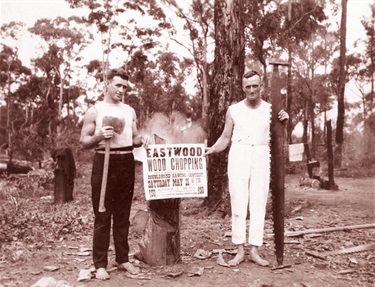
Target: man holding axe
110	127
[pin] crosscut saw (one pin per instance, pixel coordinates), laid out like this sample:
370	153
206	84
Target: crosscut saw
277	162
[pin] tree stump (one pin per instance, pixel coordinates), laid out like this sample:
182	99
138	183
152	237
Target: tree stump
160	225
65	173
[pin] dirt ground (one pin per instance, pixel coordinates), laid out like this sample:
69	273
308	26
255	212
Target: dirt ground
306	208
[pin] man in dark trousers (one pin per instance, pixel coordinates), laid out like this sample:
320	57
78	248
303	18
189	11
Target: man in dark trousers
113	121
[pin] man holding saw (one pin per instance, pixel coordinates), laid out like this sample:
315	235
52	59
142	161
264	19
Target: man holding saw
247	131
110	127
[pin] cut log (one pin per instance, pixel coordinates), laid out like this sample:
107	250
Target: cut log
160	242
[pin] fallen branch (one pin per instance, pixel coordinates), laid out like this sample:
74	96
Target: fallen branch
329	229
315	254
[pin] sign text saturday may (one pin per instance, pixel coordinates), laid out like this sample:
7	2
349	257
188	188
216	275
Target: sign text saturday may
175	171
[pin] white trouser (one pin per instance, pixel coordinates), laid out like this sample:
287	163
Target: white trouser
249	177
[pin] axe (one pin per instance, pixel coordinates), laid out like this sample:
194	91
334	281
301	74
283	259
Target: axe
118	127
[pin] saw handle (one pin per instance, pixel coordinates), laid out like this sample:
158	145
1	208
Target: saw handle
104	177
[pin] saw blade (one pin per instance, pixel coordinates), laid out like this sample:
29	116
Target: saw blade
353	249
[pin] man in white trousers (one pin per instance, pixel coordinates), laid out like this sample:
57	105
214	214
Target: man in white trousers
247	131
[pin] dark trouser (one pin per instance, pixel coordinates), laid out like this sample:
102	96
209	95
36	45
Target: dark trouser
118	200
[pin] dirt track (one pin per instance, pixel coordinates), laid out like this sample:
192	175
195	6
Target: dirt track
306	209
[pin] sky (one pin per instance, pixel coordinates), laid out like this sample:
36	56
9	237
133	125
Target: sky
28	11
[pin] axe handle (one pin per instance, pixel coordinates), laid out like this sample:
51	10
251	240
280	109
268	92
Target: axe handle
104	178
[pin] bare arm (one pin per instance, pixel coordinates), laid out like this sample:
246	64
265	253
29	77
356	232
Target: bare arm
223	141
88	138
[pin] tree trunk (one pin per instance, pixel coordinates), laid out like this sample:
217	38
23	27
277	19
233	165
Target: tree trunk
305	136
289	96
312	126
331	181
341	88
226	88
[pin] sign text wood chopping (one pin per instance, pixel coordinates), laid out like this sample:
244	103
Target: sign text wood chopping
175	171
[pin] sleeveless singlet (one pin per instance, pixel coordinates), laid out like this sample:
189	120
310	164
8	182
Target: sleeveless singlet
251	126
120	116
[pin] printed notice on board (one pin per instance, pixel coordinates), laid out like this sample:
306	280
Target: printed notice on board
175	171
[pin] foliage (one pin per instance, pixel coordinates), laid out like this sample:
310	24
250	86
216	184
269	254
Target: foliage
158	84
47	99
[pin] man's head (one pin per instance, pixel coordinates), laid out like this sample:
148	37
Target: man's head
117	83
251	85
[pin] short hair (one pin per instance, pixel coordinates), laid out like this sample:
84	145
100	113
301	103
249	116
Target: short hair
251	73
119	73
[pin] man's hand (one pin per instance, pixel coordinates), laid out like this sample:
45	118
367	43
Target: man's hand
283	116
208	151
107	132
146	140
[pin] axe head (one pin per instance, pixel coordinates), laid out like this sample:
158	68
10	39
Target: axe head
118	124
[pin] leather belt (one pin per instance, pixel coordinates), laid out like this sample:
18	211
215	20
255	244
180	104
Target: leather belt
115	151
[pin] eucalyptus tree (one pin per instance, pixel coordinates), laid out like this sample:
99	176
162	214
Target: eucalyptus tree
197	16
276	27
301	21
359	73
226	88
262	22
339	137
367	73
125	29
158	84
123	26
364	78
65	40
309	58
13	74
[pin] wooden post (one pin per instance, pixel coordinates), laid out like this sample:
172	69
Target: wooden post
277	164
160	243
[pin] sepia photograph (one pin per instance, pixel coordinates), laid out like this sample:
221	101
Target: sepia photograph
206	143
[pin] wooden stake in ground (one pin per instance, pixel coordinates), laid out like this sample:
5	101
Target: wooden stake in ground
277	162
